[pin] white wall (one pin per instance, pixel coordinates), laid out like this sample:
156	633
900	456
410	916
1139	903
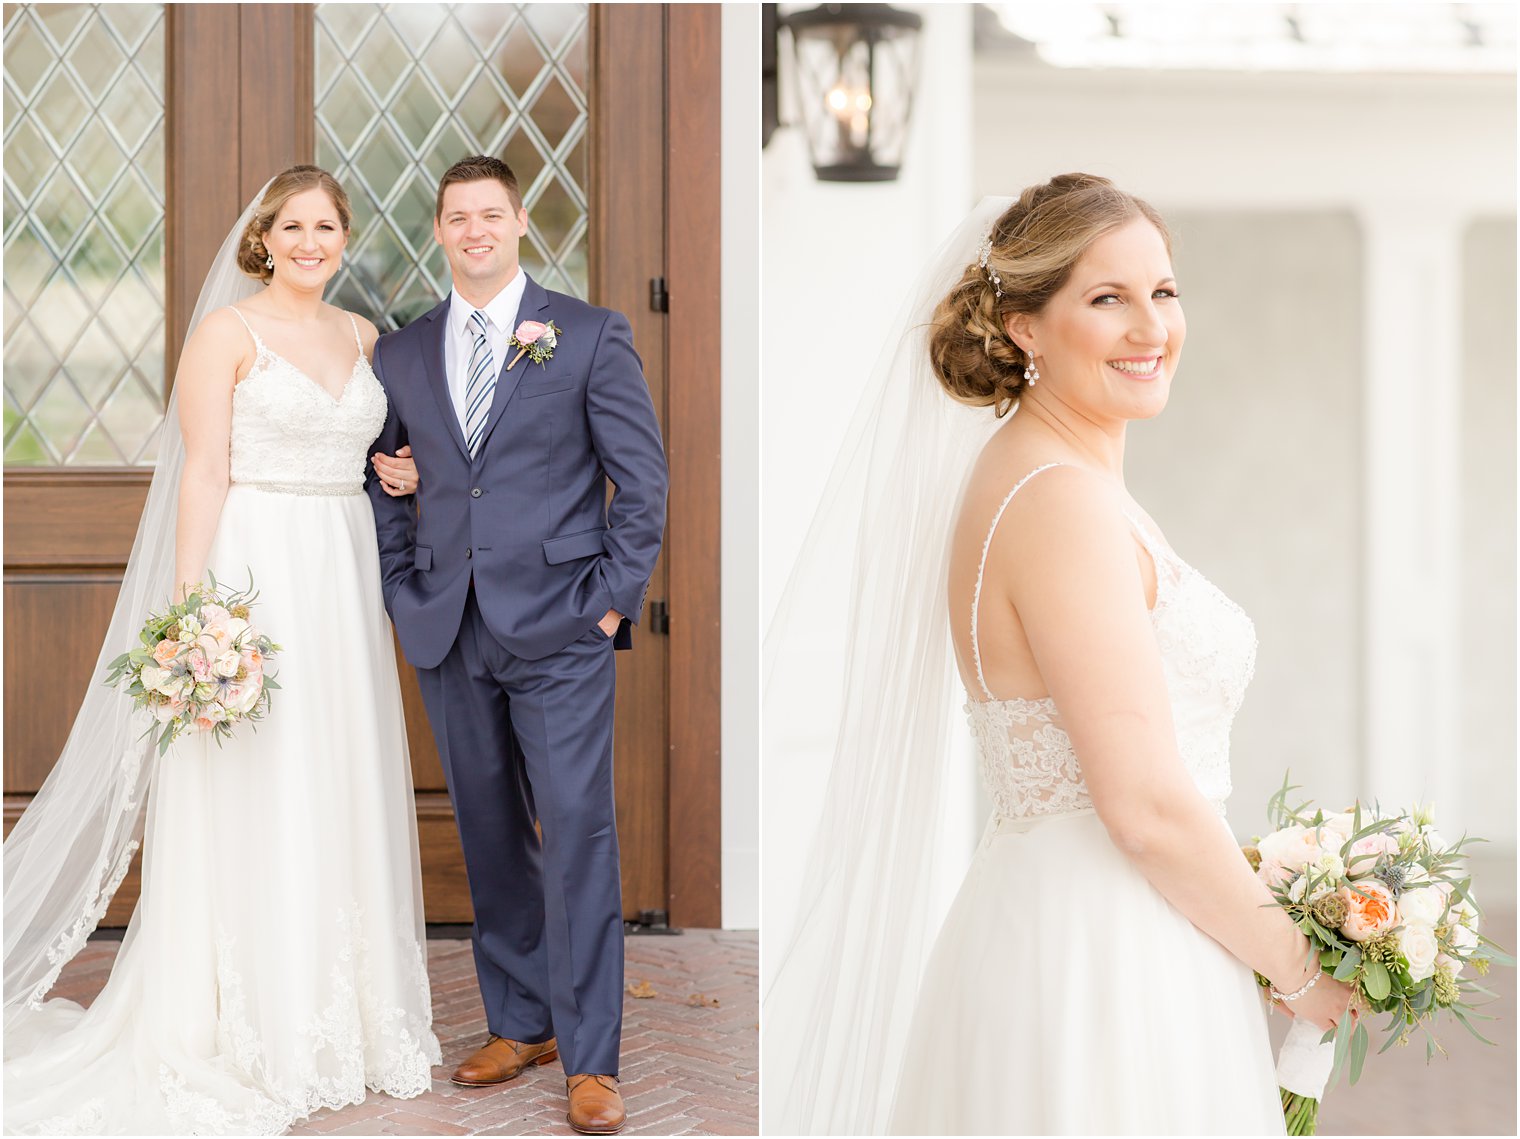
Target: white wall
836	261
741	492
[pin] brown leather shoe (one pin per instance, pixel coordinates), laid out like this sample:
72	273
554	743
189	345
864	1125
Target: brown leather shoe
596	1107
501	1059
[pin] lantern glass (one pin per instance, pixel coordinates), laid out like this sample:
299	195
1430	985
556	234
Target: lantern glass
856	67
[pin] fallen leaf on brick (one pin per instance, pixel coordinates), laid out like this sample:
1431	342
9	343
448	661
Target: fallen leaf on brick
701	1000
642	991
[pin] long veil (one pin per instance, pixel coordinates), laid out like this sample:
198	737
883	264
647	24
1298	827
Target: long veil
837	1011
73	845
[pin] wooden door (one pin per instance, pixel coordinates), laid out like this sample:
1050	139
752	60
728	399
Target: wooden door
380	98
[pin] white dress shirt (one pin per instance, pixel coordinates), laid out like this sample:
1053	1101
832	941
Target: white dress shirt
501	322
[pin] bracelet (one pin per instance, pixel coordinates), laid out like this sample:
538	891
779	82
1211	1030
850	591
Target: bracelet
1309	984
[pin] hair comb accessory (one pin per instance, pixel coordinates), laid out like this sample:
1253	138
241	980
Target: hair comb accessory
984	255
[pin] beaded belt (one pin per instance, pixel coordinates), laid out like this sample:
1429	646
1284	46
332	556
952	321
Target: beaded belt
322	490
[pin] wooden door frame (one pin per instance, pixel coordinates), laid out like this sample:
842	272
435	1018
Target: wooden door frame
693	225
684	113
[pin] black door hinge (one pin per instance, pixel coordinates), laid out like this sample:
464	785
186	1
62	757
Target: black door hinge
659	617
650	921
659	299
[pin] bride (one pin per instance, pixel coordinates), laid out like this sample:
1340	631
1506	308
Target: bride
1094	972
275	962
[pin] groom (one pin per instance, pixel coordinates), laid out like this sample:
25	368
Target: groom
510	577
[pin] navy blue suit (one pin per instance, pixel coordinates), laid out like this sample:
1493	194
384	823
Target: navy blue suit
496	575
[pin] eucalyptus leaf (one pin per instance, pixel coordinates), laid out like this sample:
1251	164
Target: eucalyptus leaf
1376	981
1358	1051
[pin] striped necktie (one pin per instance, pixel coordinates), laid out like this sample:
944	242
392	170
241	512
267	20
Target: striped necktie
480	385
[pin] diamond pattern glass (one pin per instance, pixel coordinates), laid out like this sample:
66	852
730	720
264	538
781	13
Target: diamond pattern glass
84	220
406	90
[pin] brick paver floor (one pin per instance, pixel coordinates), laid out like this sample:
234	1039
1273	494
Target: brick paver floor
690	1046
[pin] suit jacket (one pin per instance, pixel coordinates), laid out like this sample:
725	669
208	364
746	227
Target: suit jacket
528	515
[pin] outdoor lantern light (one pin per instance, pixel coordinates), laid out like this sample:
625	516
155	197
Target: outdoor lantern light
856	66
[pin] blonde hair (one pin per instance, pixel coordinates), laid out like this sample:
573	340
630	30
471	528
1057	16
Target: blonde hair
286	184
1036	243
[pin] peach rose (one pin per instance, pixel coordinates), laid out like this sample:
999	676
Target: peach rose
168	710
1370	910
165	651
529	331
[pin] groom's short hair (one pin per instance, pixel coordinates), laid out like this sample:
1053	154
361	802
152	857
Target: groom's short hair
477	168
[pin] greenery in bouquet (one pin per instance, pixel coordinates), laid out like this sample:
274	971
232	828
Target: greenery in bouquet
1388	904
199	666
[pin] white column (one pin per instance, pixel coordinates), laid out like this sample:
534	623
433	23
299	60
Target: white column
1412	399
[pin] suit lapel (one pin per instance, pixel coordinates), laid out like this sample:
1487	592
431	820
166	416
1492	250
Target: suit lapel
535	300
433	332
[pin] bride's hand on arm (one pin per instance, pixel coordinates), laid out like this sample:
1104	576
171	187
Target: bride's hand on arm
1076	581
397	473
203	384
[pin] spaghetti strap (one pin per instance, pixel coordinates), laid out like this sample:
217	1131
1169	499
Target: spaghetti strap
976	595
257	343
358	340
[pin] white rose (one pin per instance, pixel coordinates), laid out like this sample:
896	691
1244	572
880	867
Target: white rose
1296	891
1463	920
1293	847
153	677
236	626
1452	965
227	664
1417	942
547	339
1339	825
1421	903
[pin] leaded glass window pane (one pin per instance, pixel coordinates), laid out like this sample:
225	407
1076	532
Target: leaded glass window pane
84	227
404	91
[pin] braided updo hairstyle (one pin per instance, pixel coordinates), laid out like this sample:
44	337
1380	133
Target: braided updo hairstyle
287	184
1036	243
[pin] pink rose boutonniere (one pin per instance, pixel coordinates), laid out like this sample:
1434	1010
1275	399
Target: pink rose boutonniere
535	341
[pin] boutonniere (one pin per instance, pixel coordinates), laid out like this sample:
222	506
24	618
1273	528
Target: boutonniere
534	340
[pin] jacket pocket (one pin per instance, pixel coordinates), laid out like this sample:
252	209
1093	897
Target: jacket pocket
568	547
549	387
424	558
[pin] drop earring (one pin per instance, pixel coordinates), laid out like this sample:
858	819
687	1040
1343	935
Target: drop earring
1031	372
269	261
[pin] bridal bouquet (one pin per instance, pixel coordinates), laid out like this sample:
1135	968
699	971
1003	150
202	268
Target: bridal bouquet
200	666
1389	906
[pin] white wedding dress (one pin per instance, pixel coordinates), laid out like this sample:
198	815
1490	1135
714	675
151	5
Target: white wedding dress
275	963
1065	995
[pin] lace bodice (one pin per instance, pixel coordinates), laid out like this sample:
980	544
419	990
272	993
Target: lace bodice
1208	654
289	434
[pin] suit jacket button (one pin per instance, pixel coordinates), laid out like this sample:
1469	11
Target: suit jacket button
475	493
469	553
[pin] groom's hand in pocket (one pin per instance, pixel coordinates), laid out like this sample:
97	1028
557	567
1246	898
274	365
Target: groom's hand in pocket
609	624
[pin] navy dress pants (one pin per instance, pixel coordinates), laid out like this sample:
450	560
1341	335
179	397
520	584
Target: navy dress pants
524	741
